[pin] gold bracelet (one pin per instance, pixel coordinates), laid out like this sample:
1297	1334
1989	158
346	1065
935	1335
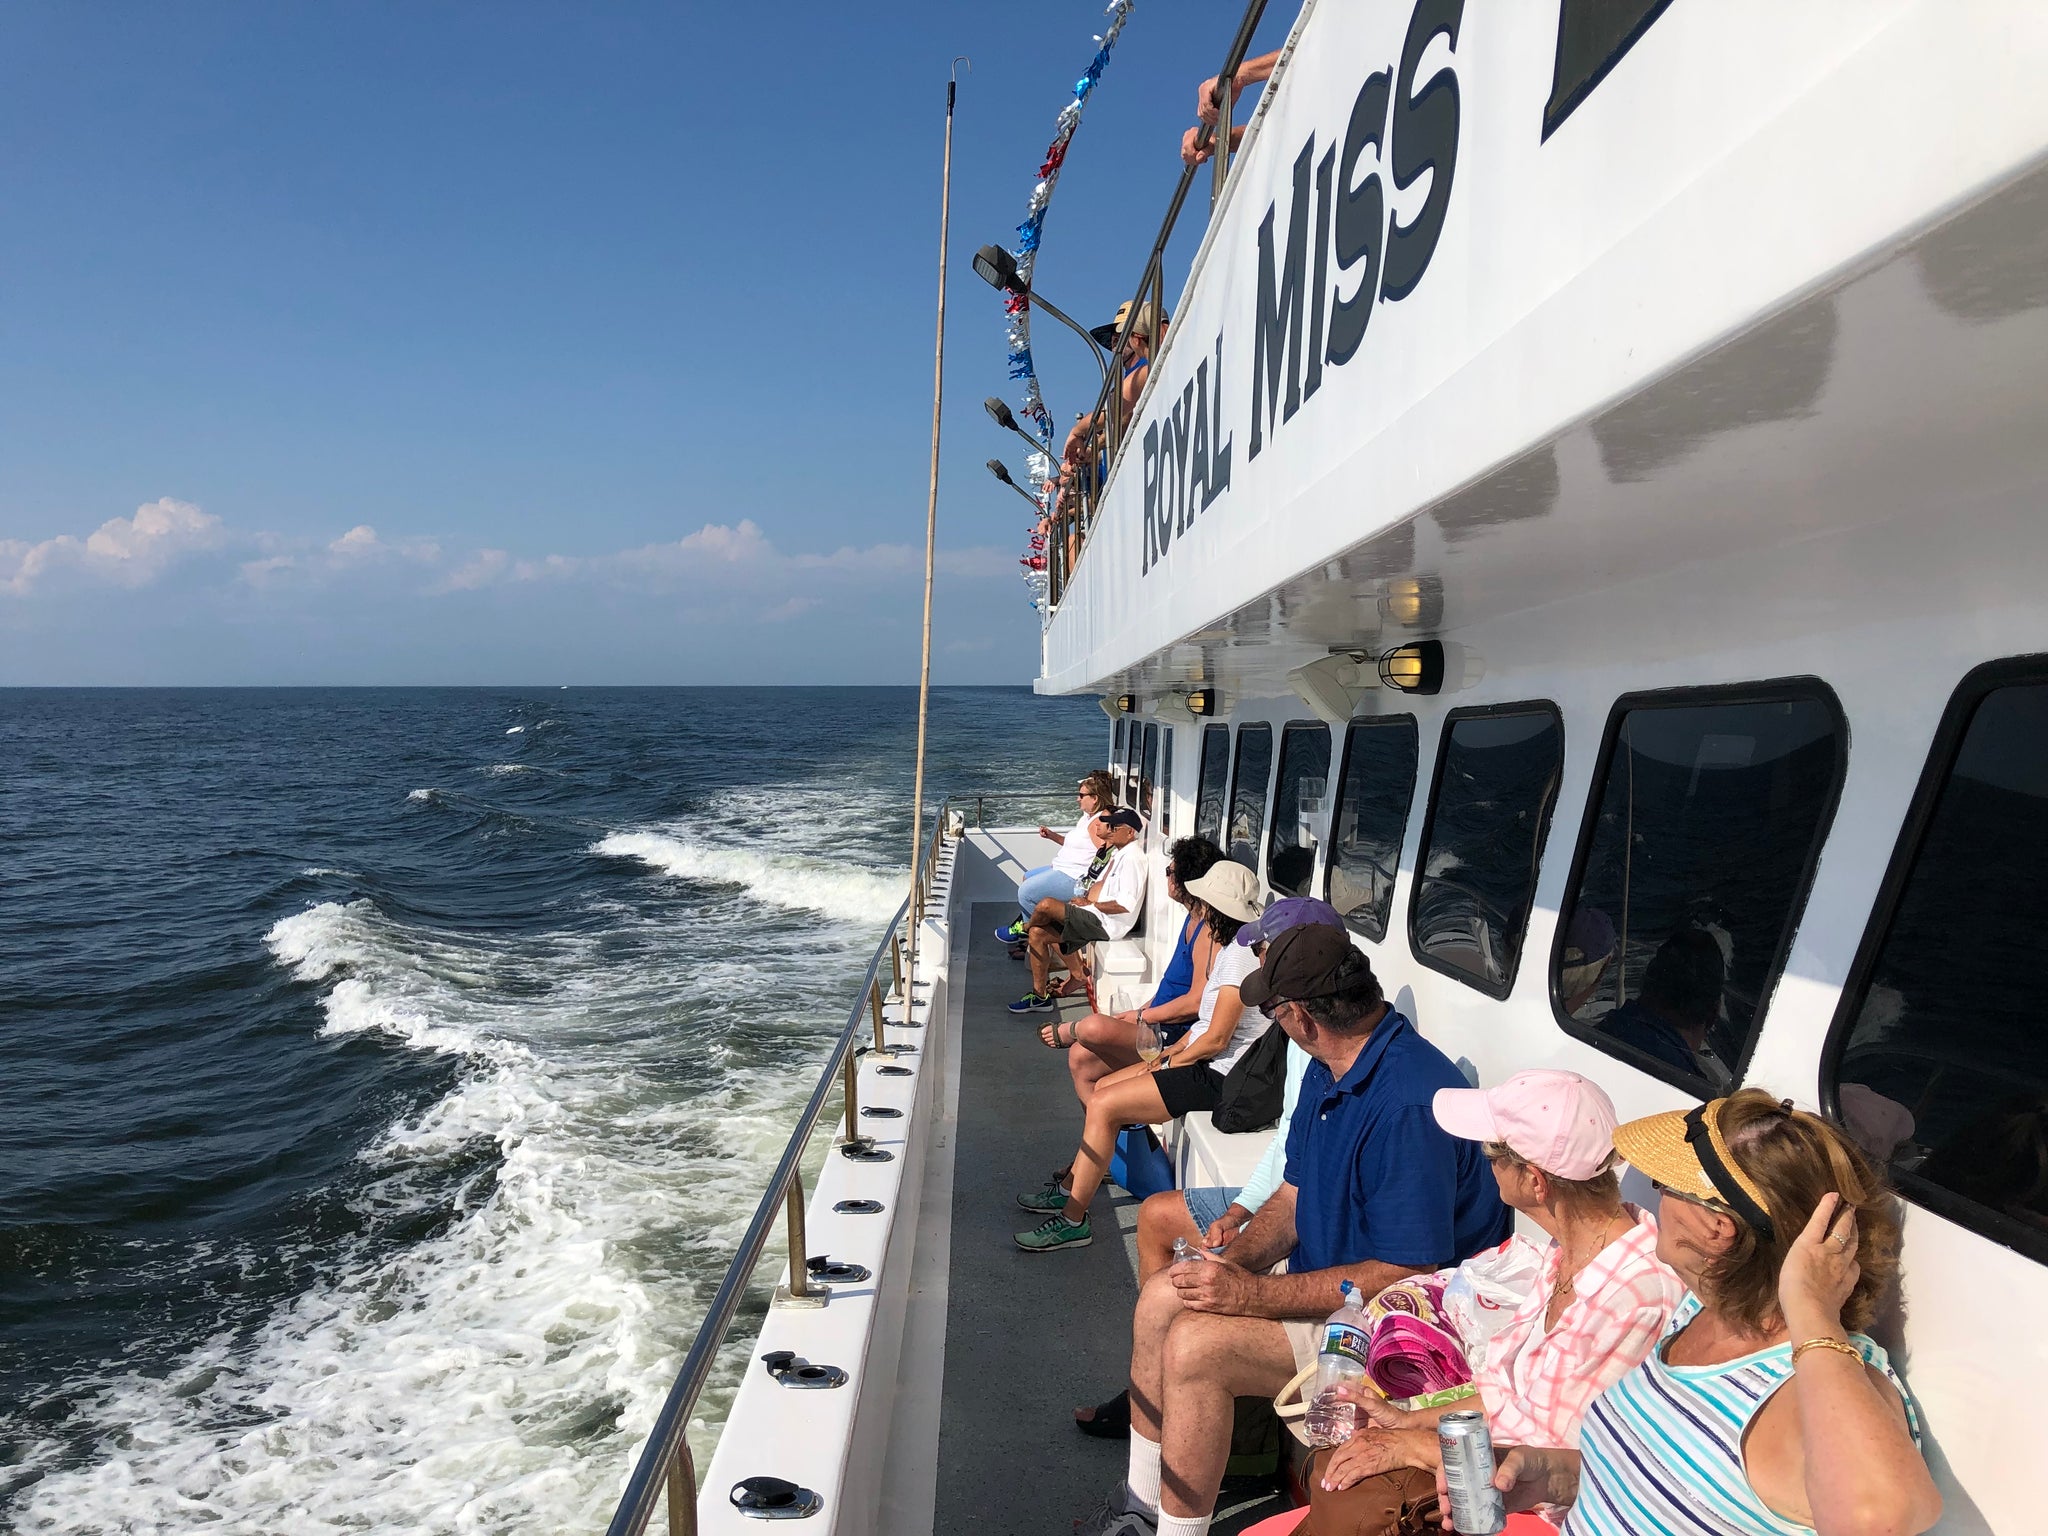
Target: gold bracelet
1839	1346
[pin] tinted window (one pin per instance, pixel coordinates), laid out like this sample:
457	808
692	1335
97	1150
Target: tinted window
1248	793
1944	1071
1116	743
1164	826
1215	781
1496	781
1708	816
1148	777
1300	804
1372	815
1134	751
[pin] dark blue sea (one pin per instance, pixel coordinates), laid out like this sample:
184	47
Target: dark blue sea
390	1073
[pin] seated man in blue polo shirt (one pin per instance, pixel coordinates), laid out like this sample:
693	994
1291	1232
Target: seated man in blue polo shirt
1374	1191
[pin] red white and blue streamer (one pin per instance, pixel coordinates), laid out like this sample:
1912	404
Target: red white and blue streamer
1017	305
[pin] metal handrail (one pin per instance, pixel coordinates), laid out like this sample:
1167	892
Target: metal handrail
665	1462
1108	404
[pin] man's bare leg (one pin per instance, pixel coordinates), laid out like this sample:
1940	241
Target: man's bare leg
1206	1363
1158	1306
1162	1218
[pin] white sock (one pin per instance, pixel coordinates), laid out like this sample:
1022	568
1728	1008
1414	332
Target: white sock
1182	1525
1143	1478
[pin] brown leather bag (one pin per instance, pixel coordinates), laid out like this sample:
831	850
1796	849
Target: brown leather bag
1397	1503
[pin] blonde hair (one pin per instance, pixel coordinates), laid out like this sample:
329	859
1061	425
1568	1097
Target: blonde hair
1601	1192
1795	1158
1102	785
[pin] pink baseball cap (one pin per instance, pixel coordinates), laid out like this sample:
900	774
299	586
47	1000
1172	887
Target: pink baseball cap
1559	1121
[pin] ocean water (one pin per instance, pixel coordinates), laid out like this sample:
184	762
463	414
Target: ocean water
390	1073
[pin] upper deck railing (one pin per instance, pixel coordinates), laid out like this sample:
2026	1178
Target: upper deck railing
665	1464
1073	522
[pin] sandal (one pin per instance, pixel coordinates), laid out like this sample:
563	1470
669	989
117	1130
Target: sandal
1107	1421
1051	1033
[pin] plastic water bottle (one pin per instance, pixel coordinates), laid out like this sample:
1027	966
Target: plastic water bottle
1339	1362
1183	1250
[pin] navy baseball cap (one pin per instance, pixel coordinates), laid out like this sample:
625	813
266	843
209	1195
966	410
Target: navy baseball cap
1126	817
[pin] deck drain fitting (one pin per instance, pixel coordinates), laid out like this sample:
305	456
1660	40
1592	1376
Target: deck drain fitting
879	1112
859	1207
837	1270
774	1498
799	1374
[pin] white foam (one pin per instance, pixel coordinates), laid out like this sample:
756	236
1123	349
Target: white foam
501	769
422	795
501	1374
792	881
514	730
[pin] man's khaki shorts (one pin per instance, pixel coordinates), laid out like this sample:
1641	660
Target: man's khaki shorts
1304	1337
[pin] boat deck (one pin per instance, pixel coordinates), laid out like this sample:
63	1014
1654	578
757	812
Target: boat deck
1029	1336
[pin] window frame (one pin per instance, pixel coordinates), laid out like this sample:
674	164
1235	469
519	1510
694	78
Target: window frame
1337	802
1769	691
1201	752
1265	871
1258	865
1506	987
1953	728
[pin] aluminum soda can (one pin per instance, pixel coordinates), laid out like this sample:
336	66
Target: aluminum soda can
1477	1508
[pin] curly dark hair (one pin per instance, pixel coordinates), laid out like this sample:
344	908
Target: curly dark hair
1190	858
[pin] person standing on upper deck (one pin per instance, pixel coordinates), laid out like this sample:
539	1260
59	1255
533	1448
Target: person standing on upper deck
1251	72
1375	1190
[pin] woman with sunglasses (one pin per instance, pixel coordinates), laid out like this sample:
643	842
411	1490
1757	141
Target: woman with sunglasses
1067	875
1766	1411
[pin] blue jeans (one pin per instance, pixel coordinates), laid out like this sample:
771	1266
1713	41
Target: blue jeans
1046	881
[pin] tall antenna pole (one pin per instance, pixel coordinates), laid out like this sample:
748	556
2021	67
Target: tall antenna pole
931	535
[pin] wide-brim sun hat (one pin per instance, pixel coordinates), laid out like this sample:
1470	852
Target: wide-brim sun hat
1105	335
1230	888
1683	1150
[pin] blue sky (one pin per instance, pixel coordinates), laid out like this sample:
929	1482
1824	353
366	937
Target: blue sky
531	342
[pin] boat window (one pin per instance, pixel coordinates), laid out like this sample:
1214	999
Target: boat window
1939	1063
1116	744
1378	783
1166	782
1148	777
1134	750
1215	779
1707	817
1496	783
1299	799
1248	794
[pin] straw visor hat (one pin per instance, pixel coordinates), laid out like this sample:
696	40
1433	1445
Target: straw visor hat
1684	1151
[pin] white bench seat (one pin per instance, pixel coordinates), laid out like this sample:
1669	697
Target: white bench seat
1203	1155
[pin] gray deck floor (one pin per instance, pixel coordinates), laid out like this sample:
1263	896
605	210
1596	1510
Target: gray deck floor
1028	1336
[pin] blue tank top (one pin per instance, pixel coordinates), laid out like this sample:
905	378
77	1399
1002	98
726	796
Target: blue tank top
1180	970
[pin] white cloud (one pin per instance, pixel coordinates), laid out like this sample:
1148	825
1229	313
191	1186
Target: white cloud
126	551
481	569
362	543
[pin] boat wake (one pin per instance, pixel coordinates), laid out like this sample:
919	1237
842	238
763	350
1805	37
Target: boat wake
792	881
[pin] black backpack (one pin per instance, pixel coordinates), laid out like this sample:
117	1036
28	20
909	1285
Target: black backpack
1256	1088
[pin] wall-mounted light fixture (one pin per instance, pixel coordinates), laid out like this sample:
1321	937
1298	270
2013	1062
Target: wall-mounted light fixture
1416	668
1432	666
1202	701
1127	703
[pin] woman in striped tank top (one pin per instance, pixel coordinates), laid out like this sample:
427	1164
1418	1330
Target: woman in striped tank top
1766	1411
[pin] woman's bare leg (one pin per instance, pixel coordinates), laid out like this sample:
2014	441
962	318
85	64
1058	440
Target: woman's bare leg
1125	1101
1102	1045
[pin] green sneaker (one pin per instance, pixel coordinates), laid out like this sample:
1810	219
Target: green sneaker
1056	1232
1043	1202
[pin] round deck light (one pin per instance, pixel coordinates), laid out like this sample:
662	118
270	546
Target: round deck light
1417	668
1127	703
1202	701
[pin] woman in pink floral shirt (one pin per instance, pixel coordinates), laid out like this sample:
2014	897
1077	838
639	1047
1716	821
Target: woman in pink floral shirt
1600	1303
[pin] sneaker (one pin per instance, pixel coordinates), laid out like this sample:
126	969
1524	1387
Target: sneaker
1120	1515
1043	1202
1056	1232
1035	1002
1013	933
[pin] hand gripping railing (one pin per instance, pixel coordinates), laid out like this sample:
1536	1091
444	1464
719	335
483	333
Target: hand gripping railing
665	1462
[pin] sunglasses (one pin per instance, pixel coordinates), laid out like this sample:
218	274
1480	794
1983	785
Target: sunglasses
1690	1199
